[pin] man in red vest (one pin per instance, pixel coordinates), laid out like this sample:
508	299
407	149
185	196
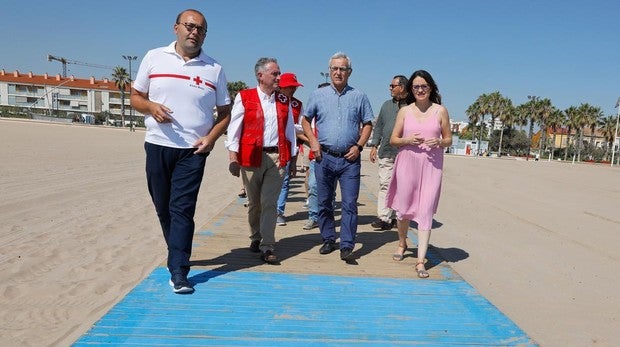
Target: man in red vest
261	142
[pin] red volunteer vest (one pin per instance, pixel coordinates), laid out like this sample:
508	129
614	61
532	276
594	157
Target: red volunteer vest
251	141
296	106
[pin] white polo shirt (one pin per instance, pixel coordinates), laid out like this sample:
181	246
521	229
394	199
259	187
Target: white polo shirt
190	89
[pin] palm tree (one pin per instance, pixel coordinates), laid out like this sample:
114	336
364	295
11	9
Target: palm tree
572	120
501	107
473	114
555	120
544	108
607	125
595	115
493	101
521	115
585	115
121	80
485	108
533	106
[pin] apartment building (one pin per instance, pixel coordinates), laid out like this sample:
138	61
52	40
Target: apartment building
46	94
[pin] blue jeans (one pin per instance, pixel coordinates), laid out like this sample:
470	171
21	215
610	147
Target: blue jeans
313	203
329	170
173	176
284	192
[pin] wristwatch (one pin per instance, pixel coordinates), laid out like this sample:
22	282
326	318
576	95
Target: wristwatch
360	147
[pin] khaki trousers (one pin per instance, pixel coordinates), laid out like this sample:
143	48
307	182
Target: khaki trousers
263	185
386	166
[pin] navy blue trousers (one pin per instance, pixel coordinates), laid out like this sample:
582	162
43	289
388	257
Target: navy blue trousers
329	170
173	176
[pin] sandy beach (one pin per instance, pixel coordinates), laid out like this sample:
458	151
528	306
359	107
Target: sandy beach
78	232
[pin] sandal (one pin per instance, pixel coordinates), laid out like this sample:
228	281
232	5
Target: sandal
400	256
242	193
269	257
421	273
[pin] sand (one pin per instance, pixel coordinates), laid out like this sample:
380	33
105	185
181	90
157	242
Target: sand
78	231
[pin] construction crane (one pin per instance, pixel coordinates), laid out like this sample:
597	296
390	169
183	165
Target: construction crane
65	61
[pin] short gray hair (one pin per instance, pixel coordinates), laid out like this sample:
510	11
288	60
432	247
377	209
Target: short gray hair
262	63
340	55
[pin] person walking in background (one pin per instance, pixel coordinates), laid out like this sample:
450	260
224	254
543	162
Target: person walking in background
288	86
421	132
176	88
339	111
261	141
383	153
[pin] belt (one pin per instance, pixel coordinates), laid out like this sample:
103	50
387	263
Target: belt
273	149
334	153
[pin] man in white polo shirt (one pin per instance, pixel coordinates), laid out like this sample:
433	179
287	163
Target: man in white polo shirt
176	88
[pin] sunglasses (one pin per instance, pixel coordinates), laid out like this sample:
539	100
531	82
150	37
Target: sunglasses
191	27
423	87
338	68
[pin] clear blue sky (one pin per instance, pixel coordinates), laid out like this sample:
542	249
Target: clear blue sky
567	51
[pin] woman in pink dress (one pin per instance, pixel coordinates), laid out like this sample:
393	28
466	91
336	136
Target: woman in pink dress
421	132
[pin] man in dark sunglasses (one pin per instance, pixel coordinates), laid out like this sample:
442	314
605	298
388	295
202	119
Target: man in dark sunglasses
383	153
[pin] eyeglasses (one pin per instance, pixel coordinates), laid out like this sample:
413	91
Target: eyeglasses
191	26
423	87
339	68
392	86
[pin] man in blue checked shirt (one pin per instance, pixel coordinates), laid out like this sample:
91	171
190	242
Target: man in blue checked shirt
343	117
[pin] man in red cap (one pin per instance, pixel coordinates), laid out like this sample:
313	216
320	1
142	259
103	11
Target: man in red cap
288	86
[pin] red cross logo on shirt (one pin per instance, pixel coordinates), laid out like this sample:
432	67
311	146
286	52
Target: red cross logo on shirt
197	80
282	98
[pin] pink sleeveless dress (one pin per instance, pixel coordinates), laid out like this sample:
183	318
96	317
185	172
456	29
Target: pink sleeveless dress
416	179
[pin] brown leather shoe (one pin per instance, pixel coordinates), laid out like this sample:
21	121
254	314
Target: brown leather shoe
381	225
376	224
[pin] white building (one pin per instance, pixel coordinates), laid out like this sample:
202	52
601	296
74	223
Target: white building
45	94
468	147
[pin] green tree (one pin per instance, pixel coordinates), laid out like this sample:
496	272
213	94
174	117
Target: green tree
555	120
104	117
234	88
544	109
521	115
595	115
500	107
572	122
531	109
485	108
519	142
473	115
121	80
586	115
514	141
607	125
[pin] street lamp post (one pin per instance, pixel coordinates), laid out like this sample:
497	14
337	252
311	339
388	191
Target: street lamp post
130	58
326	75
613	147
533	98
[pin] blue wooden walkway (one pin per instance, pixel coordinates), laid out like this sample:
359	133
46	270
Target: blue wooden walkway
309	300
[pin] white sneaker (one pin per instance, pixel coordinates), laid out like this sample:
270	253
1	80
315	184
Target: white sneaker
180	284
310	224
